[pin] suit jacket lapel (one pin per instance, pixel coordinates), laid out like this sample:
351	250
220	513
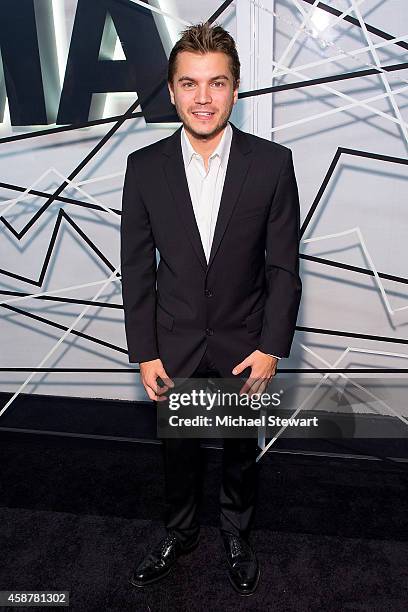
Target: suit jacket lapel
237	169
177	180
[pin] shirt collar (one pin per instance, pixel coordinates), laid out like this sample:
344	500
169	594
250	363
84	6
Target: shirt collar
222	149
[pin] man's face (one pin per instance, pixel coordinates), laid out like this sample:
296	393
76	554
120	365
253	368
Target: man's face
202	92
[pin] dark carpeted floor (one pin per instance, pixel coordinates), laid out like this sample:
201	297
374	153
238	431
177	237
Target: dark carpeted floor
330	534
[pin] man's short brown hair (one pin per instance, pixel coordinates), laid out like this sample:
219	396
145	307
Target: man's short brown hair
204	38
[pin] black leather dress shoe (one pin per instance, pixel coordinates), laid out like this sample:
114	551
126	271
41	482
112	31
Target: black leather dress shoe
243	566
159	561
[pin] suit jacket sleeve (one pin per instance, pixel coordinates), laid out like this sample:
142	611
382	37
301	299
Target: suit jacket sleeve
138	268
283	283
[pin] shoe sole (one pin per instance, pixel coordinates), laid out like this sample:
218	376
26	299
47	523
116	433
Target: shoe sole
153	580
246	593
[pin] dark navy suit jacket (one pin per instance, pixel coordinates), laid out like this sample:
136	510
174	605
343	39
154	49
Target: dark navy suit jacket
247	296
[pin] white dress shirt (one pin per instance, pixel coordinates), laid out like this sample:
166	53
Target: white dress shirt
206	186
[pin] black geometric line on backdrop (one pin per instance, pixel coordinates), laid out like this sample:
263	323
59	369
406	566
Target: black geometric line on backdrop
340	151
337	264
66	128
64	328
44	194
287	370
243	94
321	80
219	11
101	143
348	334
84	370
55	298
58	225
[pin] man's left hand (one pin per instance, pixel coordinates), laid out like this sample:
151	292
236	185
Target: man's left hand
263	368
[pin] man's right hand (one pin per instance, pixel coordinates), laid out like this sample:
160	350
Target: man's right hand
149	372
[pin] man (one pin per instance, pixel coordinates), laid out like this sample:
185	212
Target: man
221	206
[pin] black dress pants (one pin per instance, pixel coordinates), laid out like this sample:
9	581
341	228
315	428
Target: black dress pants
183	470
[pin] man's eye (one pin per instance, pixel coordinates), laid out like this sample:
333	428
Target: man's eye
187	84
218	83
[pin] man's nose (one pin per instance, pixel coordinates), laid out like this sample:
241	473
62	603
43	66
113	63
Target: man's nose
203	95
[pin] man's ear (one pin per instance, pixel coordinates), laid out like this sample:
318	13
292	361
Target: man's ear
236	92
170	92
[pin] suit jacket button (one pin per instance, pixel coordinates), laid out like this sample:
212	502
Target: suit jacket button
209	331
208	293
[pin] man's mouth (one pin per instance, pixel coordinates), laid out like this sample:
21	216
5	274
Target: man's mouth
203	114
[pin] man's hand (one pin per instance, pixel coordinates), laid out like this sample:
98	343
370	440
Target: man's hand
149	372
263	368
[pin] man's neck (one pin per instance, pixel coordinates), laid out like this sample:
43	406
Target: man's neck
205	146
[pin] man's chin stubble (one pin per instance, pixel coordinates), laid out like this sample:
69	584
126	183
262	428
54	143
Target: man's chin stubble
207	135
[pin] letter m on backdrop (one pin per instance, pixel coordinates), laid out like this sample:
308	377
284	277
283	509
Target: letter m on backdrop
28	51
